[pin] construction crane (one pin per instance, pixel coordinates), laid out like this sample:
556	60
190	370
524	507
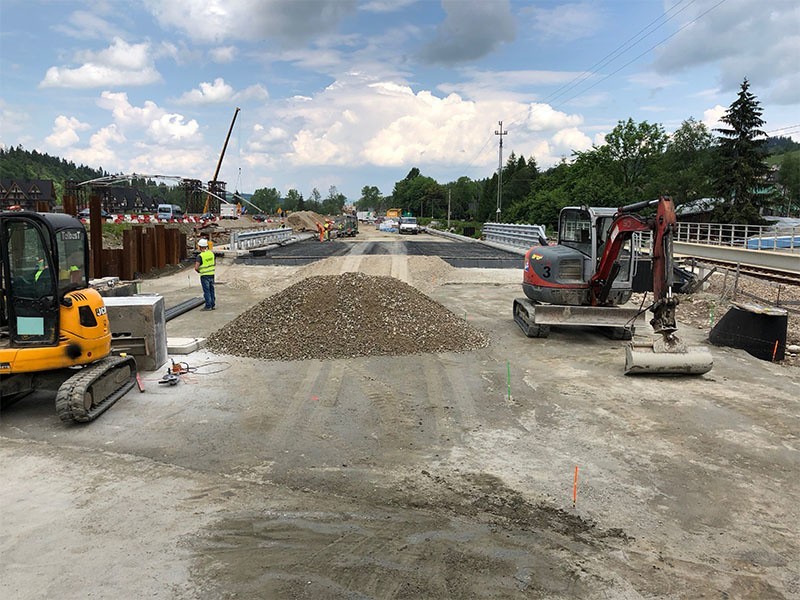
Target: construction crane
219	163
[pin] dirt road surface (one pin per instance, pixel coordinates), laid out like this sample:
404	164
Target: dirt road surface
441	476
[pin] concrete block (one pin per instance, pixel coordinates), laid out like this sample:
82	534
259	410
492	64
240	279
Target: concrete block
138	327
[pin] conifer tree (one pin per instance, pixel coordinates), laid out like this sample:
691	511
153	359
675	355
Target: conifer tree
740	164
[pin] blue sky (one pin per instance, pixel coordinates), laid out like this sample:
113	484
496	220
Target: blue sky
349	93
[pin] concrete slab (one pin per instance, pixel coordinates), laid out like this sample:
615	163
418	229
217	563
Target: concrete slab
181	345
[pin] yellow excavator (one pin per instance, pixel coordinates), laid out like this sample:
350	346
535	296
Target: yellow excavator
54	330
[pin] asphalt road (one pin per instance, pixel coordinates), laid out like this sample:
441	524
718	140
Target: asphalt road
420	476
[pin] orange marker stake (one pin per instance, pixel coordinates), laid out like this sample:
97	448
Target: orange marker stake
775	350
575	488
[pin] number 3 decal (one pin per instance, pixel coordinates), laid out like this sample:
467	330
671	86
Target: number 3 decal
546	272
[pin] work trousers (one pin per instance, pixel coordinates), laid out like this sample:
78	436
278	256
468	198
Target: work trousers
207	281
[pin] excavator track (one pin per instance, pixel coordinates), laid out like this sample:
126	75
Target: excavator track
92	390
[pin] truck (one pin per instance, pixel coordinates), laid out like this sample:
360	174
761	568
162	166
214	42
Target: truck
227	211
409	225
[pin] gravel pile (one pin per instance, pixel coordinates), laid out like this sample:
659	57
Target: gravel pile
343	316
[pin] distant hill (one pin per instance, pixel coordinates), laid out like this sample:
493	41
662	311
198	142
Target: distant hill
777	159
780	145
17	163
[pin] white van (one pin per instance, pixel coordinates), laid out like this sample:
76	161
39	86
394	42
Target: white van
169	211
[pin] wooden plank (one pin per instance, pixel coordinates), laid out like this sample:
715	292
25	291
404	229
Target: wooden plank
160	247
111	260
96	238
148	249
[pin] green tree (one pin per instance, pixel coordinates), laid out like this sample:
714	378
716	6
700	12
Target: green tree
463	198
334	202
687	162
371	199
740	166
293	201
420	195
634	150
789	178
314	202
266	199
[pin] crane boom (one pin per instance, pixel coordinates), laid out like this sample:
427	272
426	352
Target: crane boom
221	156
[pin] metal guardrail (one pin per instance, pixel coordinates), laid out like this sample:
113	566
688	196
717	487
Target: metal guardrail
247	240
510	234
743	244
753	237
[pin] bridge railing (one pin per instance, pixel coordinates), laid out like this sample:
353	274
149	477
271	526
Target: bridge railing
247	240
510	234
751	237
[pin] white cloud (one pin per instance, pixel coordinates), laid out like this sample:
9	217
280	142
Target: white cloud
569	140
486	85
209	93
171	128
13	123
290	21
125	114
471	30
65	132
740	41
119	64
161	127
712	116
88	25
220	92
385	6
543	117
223	54
99	152
339	126
565	23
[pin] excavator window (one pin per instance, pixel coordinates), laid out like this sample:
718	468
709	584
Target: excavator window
575	230
31	304
71	259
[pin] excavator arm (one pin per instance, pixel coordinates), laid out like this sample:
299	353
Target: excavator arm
620	231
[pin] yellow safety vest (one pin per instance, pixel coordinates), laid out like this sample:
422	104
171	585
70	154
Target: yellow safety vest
206	263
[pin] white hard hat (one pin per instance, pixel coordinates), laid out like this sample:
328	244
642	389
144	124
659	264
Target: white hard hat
202	243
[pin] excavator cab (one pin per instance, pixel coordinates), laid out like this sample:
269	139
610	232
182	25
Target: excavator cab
54	330
43	259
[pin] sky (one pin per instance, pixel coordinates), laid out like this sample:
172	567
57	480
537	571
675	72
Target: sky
354	93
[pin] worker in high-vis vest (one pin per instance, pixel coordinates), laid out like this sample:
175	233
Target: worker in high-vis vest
204	264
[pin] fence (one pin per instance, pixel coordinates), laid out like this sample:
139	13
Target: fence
753	237
144	248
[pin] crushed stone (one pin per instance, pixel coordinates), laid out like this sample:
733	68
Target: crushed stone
344	316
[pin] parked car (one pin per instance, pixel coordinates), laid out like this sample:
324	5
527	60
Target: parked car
84	214
260	217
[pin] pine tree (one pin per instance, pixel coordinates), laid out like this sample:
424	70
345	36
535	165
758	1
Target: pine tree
740	165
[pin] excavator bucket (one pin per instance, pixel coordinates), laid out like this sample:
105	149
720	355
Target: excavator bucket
655	358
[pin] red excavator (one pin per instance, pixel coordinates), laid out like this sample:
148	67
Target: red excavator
589	273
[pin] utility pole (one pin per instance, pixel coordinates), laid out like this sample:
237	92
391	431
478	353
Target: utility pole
501	133
448	209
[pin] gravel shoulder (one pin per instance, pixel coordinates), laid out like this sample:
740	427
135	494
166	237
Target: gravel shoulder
436	475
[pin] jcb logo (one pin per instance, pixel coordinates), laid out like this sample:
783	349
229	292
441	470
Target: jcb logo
100	311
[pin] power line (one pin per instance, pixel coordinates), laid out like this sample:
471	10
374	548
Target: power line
612	56
618	51
637	57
